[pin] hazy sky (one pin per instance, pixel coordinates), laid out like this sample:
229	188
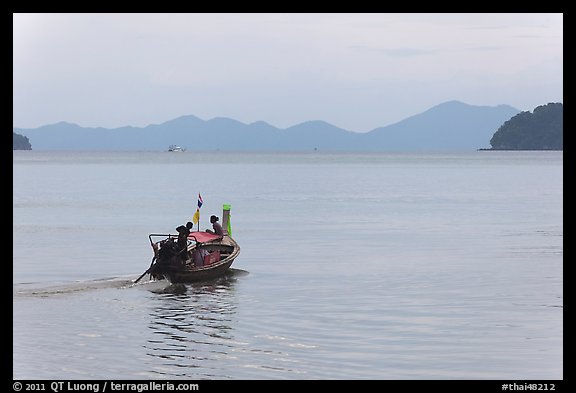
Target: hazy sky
356	71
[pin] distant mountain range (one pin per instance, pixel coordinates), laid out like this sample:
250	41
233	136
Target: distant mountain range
452	125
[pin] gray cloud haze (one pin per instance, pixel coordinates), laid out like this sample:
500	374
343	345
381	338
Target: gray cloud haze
356	71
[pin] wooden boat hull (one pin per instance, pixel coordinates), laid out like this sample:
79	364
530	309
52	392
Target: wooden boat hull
185	272
199	274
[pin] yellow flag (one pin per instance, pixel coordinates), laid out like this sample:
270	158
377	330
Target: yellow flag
196	217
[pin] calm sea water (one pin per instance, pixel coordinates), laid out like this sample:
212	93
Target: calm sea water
352	266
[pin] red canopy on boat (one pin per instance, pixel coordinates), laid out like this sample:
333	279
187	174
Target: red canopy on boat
203	237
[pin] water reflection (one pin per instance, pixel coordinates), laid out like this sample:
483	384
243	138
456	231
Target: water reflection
192	331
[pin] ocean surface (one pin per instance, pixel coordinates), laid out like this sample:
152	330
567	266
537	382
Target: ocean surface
352	266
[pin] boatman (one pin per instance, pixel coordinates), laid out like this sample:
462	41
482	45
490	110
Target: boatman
183	232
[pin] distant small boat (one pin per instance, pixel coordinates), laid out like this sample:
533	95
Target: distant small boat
176	148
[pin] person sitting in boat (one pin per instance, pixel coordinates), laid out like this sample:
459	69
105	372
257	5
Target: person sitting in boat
183	232
198	256
217	227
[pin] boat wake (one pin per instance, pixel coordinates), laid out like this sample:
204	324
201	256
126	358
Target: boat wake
35	289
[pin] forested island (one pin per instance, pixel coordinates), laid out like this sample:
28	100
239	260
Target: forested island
20	142
543	129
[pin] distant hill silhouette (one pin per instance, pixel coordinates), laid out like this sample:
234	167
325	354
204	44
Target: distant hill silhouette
541	130
449	126
452	125
20	142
